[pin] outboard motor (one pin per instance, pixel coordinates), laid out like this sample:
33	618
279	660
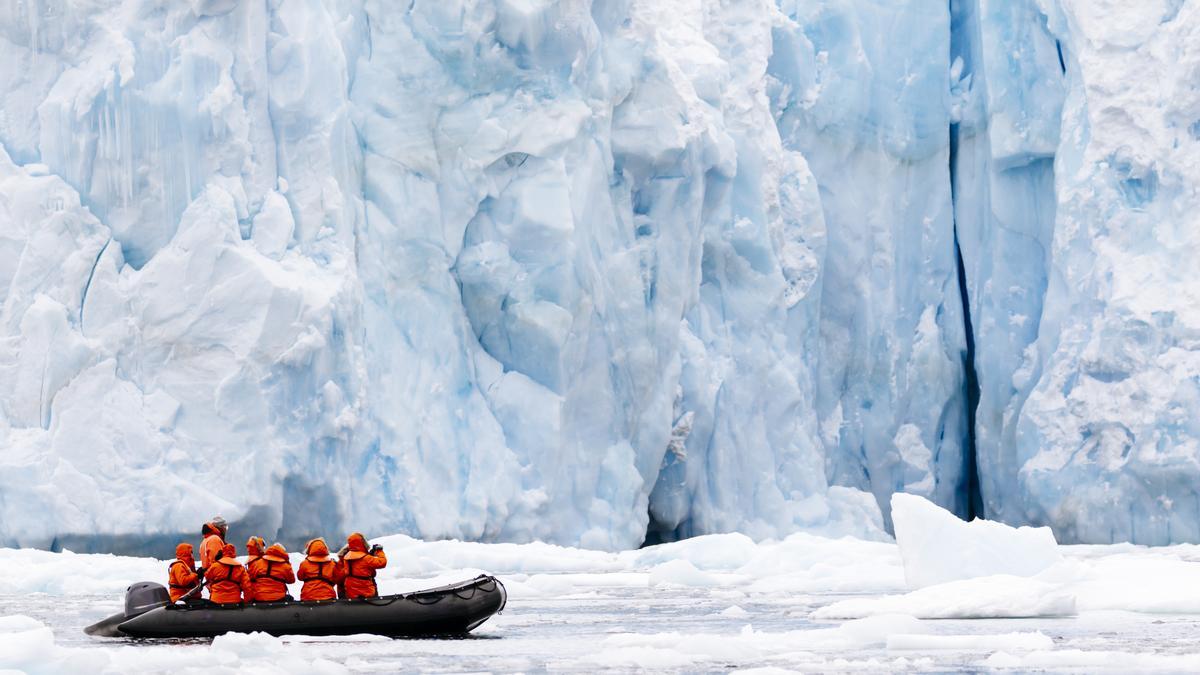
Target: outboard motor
139	599
143	597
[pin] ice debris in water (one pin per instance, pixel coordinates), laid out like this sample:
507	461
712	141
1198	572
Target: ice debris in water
772	581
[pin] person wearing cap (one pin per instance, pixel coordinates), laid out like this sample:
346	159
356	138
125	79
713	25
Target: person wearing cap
228	582
270	575
213	533
181	574
359	565
319	572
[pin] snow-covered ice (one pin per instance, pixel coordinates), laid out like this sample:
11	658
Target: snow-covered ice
937	547
998	596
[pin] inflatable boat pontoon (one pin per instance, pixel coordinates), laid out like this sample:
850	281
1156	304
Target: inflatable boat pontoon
451	610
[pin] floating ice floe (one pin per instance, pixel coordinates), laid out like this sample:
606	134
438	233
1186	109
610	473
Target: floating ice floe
938	547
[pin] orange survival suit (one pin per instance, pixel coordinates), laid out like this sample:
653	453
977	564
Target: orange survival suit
181	574
213	543
228	581
359	567
319	572
270	575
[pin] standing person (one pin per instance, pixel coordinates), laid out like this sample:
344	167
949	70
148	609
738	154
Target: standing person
271	574
181	574
213	533
359	565
319	572
228	581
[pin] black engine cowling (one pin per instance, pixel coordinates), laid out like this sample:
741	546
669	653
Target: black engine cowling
143	597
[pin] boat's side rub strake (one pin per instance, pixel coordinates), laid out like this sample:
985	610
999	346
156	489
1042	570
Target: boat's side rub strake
449	610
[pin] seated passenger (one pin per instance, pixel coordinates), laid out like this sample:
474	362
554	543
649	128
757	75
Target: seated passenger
255	547
228	582
319	572
359	565
271	574
181	574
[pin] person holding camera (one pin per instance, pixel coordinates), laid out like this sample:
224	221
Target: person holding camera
360	565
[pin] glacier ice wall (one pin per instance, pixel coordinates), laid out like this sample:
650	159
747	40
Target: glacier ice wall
464	270
594	272
872	115
1008	89
1106	444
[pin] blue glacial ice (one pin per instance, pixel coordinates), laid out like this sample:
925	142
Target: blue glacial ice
872	115
1107	446
594	272
1008	87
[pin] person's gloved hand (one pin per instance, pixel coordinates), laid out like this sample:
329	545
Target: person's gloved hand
200	571
376	549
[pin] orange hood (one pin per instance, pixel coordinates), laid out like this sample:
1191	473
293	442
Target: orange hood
276	553
183	553
317	550
357	543
255	547
229	556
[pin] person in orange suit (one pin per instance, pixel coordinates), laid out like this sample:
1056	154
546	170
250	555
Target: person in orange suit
213	533
270	575
255	548
319	572
359	565
181	574
228	581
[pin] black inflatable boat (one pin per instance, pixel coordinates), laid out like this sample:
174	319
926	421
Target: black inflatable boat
452	610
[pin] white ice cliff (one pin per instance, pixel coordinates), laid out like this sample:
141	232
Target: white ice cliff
596	272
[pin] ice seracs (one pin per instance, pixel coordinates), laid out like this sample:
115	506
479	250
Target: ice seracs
596	274
458	274
1106	445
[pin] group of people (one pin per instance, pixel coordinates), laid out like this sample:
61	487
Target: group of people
267	572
